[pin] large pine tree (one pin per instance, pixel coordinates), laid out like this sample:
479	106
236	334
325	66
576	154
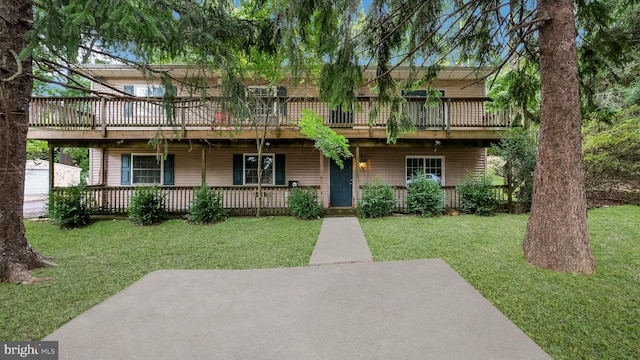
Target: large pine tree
496	33
17	257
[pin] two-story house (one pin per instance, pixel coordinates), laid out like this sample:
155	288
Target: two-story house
206	146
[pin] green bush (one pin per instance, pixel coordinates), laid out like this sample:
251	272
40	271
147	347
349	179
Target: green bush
377	200
147	206
303	203
477	195
206	207
425	196
69	208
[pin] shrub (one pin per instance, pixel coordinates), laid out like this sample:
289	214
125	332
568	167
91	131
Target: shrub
206	207
377	200
69	208
518	153
425	196
303	203
477	195
147	206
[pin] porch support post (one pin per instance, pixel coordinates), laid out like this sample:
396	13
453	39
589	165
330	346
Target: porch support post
357	171
103	117
203	165
103	166
321	178
51	168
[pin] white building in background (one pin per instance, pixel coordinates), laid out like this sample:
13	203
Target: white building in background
37	176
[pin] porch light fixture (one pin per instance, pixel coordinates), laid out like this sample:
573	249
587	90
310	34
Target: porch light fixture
362	163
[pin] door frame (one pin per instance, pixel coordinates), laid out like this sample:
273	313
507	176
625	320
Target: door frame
347	171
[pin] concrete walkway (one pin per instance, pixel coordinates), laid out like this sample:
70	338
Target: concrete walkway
341	241
353	309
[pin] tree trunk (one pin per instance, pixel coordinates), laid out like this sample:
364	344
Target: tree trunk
557	235
17	257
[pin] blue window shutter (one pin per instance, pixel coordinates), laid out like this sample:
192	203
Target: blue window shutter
125	169
169	178
128	106
280	173
238	178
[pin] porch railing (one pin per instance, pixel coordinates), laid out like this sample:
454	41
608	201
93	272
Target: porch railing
238	200
82	113
452	197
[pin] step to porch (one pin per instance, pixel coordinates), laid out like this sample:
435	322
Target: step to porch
339	211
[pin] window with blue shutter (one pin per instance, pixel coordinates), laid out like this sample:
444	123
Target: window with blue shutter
280	173
146	169
245	169
125	169
238	174
169	178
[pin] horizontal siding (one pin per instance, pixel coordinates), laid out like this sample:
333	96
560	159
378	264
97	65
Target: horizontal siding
388	164
302	90
452	88
301	165
95	157
460	88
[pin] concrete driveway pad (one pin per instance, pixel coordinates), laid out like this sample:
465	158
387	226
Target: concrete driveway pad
418	309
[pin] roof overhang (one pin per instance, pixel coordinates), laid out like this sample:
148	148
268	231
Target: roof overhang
183	71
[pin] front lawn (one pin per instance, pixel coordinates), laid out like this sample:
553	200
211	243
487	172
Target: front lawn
569	316
100	260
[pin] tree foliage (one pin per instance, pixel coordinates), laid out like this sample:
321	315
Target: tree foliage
612	154
518	152
330	144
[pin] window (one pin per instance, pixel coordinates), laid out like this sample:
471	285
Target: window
146	169
245	169
421	113
141	108
264	100
423	164
251	169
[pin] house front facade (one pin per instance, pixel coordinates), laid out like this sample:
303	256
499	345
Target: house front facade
197	143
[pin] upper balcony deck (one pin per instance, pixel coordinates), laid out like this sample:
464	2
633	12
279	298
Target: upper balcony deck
96	118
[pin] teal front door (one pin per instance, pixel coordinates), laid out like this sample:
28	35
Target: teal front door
341	184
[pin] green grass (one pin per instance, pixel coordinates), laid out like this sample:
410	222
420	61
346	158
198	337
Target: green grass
569	316
100	260
496	179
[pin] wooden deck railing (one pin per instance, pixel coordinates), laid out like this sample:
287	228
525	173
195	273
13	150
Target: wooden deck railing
238	200
80	113
452	197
